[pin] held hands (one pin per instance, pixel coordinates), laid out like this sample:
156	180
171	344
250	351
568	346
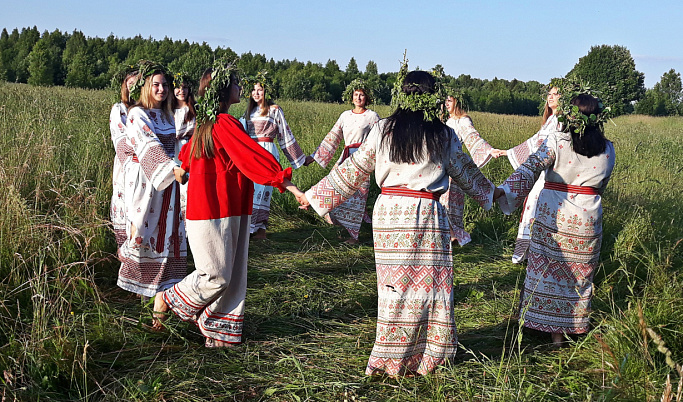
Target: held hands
496	153
298	194
309	160
497	193
303	201
181	175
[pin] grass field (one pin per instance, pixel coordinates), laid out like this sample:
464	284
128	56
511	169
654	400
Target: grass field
68	333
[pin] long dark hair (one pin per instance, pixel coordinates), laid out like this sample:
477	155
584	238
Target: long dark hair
190	102
593	141
407	133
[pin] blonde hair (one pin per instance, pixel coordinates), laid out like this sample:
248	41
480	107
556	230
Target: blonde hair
458	111
147	99
265	104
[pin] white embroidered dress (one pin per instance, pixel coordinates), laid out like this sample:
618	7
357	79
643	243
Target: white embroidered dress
154	255
517	156
454	198
266	130
353	128
124	154
184	132
416	329
566	235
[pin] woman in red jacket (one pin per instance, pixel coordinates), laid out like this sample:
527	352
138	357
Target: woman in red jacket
224	163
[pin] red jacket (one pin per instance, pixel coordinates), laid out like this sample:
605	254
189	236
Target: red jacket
223	186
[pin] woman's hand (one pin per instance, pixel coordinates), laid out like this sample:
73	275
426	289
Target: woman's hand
180	175
496	153
303	201
497	193
309	160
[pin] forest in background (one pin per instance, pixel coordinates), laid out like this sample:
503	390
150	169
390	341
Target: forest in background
74	60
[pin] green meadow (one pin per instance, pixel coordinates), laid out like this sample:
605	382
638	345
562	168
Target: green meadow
68	333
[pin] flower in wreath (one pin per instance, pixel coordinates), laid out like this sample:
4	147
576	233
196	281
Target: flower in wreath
260	78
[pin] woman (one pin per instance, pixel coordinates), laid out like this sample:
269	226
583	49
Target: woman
567	231
454	198
184	113
517	156
124	154
412	154
265	121
223	160
154	255
352	126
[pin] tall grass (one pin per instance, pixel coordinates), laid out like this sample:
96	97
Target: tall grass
67	332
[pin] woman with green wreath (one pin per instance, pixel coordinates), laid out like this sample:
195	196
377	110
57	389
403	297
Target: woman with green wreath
224	163
352	127
154	254
412	154
566	236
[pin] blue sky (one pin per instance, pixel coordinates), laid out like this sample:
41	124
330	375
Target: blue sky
532	40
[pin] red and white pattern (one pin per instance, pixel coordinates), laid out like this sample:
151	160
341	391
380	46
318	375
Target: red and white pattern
220	193
416	330
124	154
454	198
517	156
265	130
566	235
353	128
154	254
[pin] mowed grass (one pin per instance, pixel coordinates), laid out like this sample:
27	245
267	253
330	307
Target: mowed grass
67	332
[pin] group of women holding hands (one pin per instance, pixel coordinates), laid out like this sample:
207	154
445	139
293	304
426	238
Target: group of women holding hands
188	171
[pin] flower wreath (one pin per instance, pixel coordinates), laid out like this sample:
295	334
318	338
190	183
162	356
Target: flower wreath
208	105
181	78
569	115
260	78
355	85
146	69
458	95
430	104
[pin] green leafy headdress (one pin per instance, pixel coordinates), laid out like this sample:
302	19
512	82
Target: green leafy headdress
355	85
260	78
146	69
458	95
208	105
121	74
181	78
569	115
430	104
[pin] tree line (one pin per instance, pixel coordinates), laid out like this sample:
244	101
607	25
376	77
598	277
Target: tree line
74	60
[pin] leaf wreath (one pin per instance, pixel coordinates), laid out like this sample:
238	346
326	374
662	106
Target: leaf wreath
123	72
181	78
146	68
431	104
355	85
569	115
208	105
260	78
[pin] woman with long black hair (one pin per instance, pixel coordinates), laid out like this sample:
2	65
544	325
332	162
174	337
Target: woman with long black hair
412	154
567	230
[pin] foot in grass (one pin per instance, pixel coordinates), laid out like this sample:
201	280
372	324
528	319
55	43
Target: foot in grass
215	343
558	339
260	234
160	312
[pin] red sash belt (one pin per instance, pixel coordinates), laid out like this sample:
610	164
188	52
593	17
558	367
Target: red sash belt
347	150
135	159
264	139
405	192
568	188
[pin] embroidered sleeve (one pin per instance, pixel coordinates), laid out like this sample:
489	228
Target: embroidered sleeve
155	163
344	179
522	180
329	145
286	139
117	128
468	177
480	150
